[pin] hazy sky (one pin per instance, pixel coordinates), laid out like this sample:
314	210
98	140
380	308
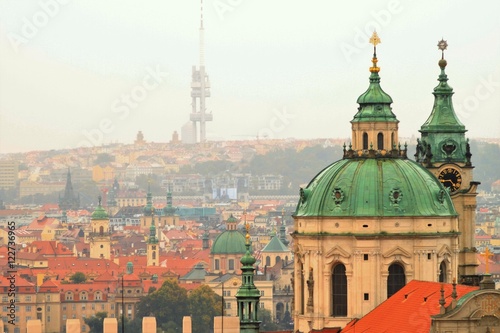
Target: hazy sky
78	72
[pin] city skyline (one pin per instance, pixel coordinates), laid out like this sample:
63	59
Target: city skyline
291	69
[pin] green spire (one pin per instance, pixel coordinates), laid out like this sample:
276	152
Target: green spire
99	213
148	209
443	135
152	232
374	103
248	295
169	210
443	117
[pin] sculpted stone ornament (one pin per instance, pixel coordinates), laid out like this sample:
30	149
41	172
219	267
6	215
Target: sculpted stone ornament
310	289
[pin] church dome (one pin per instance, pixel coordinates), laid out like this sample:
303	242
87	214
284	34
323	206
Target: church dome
229	242
376	187
99	213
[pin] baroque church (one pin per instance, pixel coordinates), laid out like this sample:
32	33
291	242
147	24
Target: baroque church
367	225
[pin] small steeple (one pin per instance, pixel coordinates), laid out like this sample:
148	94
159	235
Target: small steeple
148	209
205	239
374	125
169	209
248	295
443	135
69	200
443	116
152	231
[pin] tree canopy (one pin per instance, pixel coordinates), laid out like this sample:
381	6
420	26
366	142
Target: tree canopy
170	303
96	322
78	277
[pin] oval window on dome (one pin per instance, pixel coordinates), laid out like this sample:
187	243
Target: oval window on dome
338	195
395	196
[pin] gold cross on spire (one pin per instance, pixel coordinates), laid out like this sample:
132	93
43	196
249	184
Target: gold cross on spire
486	255
375	40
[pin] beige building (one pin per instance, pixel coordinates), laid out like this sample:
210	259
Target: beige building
27	188
9	170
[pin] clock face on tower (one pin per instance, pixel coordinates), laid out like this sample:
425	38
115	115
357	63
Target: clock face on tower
450	178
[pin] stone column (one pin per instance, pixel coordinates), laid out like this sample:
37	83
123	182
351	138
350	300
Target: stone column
186	325
110	325
149	325
226	324
73	326
34	326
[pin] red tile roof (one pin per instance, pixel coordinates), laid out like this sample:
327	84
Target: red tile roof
50	286
49	248
410	309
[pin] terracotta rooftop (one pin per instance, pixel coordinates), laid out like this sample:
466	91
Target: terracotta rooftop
410	309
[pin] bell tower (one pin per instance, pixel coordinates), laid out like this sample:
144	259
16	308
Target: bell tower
153	249
99	236
444	151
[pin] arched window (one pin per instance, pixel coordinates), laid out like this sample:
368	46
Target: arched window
231	264
101	230
396	279
380	141
268	261
280	311
278	259
442	272
339	291
154	255
365	140
392	140
216	264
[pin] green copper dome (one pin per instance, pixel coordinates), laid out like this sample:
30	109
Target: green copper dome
99	213
375	187
374	103
229	242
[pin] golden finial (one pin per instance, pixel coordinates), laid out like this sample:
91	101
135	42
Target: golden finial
375	40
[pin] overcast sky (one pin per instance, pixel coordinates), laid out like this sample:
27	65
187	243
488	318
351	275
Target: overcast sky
79	72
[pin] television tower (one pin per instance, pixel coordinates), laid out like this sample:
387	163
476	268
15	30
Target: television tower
200	89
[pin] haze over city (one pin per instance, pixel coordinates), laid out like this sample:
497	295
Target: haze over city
277	69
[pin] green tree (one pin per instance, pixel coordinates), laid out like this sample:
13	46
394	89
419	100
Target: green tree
96	322
204	305
266	321
104	158
130	326
78	277
169	303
